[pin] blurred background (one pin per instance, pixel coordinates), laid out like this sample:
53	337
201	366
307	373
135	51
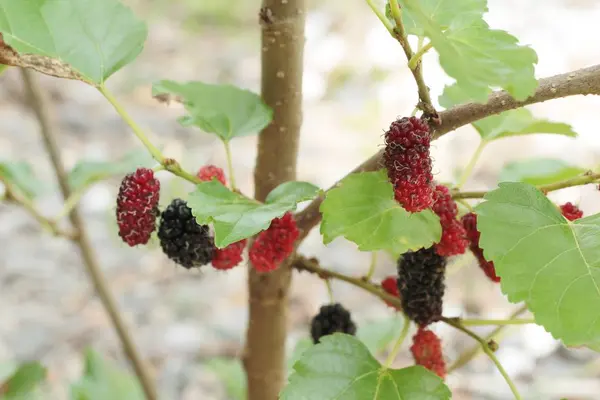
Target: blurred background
188	324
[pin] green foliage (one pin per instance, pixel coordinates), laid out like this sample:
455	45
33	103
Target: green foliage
539	171
23	382
231	373
95	37
340	366
518	122
85	173
363	210
377	335
446	14
469	51
544	260
301	346
236	217
20	175
224	110
103	380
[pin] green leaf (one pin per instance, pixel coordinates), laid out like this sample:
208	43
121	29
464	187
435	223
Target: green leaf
341	367
236	217
363	210
509	123
95	37
20	175
85	173
302	345
377	335
539	171
231	373
103	380
479	57
224	110
545	261
23	381
446	14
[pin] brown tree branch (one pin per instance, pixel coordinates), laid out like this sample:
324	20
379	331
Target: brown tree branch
310	265
581	82
282	24
41	109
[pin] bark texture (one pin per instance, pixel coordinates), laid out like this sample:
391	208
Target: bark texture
282	24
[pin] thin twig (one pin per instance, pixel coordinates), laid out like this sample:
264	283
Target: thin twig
485	346
41	109
468	355
52	226
576	181
399	33
398	345
581	82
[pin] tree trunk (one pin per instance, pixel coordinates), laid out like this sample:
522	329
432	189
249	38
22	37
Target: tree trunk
282	23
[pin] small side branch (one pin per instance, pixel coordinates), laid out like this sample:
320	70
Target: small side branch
584	81
41	110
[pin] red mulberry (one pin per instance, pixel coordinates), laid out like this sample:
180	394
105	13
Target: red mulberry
570	211
137	206
421	285
427	351
408	163
390	286
182	239
469	221
453	241
331	318
275	244
208	172
230	256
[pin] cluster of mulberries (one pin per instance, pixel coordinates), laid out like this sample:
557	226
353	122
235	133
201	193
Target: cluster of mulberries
275	244
408	163
454	240
427	351
182	239
390	286
421	284
331	318
469	222
570	211
137	206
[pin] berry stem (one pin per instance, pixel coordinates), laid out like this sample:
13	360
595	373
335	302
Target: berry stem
372	266
487	350
577	181
230	170
329	290
414	60
137	130
468	355
484	322
381	15
398	345
471	164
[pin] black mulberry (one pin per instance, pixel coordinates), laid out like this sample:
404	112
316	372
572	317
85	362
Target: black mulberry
182	239
421	284
331	318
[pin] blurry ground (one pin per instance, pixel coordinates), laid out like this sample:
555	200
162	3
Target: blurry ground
355	84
